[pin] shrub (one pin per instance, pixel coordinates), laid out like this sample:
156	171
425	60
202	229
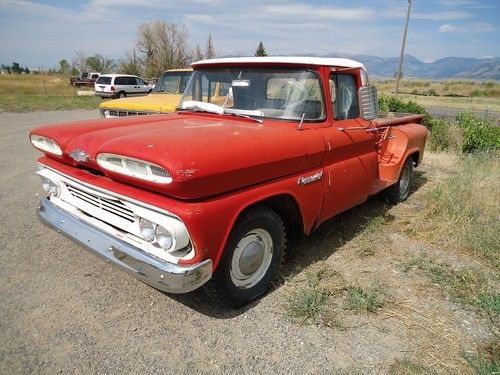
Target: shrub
444	136
388	103
478	134
431	92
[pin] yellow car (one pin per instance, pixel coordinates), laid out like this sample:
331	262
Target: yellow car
163	99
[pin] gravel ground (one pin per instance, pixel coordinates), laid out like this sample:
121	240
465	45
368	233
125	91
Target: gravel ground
63	310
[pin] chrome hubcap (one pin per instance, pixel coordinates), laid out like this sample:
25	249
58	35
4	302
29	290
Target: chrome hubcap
251	258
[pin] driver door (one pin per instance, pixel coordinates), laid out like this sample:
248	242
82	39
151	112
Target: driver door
350	162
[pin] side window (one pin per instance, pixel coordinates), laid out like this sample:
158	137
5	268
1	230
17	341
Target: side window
140	81
344	96
120	81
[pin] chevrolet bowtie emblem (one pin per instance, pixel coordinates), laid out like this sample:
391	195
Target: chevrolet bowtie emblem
79	155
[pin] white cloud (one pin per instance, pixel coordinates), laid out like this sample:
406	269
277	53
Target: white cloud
456	3
446	28
199	18
476	28
322	12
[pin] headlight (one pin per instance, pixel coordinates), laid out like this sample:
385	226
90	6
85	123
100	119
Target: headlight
141	169
164	238
45	144
147	229
105	113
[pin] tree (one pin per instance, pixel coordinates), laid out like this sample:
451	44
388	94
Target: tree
210	49
198	55
74	71
79	61
99	64
261	51
132	63
26	70
64	67
16	69
163	46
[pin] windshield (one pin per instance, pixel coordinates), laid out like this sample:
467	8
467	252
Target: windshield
272	93
172	82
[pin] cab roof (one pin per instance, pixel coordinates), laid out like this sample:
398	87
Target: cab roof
292	60
180	70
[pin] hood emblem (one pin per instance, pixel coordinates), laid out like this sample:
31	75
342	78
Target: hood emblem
79	155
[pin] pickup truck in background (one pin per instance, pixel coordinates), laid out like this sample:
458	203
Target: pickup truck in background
207	196
163	99
84	79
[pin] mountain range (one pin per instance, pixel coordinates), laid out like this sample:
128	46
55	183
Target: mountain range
445	68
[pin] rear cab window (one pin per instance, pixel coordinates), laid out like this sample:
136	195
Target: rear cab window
344	91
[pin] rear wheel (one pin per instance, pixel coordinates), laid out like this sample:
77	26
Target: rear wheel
122	94
400	191
251	259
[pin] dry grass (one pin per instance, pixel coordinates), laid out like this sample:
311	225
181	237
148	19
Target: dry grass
19	93
435	307
443	88
466	95
461	211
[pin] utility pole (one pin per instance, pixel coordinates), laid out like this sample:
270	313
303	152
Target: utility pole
401	57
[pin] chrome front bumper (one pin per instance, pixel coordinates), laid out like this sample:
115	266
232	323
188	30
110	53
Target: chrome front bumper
167	277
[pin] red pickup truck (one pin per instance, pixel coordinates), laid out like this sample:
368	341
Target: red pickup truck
207	195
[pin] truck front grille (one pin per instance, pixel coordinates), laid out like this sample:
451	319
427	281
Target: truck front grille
112	206
117	113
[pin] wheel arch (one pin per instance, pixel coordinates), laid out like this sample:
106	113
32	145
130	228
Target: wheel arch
286	207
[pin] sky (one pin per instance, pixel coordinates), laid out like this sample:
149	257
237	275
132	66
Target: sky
39	33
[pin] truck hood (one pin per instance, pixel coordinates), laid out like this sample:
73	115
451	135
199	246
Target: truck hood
205	154
160	103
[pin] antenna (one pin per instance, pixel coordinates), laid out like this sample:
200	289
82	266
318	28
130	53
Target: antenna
301	126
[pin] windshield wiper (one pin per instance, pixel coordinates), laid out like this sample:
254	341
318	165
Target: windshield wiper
217	109
244	116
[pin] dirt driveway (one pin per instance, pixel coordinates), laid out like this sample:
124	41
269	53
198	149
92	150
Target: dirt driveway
62	310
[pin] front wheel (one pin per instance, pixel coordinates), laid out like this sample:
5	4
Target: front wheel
251	259
400	191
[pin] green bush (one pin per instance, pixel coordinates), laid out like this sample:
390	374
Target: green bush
389	103
478	134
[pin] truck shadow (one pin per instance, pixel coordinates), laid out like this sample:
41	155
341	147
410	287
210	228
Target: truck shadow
307	250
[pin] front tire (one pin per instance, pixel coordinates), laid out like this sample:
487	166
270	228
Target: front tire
400	191
251	259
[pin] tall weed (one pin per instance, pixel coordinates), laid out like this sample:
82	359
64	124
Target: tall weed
467	208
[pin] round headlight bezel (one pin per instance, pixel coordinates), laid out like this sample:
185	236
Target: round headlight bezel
147	229
164	238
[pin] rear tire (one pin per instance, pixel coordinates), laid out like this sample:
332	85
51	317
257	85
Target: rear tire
251	259
400	191
121	94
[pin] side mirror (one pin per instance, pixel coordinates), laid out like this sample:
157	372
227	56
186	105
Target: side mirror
368	102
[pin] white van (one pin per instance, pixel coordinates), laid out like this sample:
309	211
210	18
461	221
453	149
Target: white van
120	86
